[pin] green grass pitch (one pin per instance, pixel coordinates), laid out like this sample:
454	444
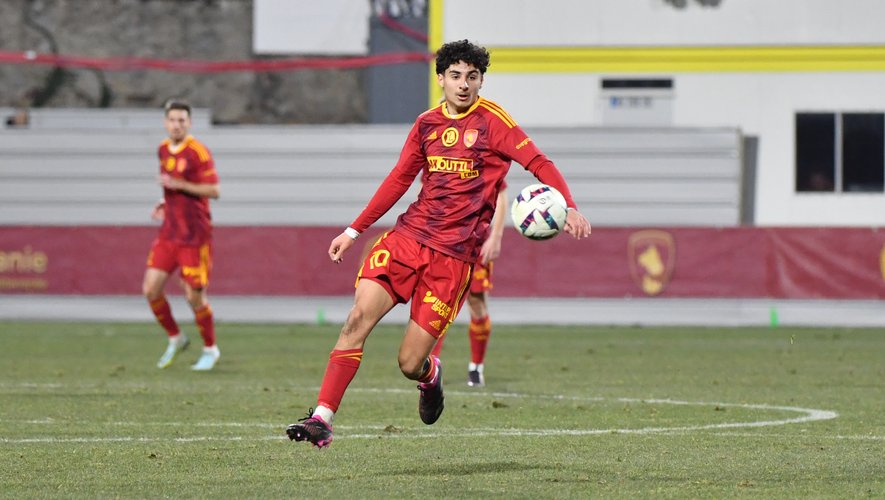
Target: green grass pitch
568	412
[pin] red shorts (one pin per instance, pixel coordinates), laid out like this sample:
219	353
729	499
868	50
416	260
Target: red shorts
408	270
195	262
481	281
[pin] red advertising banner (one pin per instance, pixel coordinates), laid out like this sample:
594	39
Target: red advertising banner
794	263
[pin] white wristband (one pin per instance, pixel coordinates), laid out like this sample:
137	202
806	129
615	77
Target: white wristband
353	233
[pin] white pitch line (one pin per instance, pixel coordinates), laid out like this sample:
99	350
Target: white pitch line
811	414
246	425
125	439
835	437
808	415
394	436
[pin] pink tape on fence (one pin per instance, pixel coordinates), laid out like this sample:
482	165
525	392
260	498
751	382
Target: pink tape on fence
198	66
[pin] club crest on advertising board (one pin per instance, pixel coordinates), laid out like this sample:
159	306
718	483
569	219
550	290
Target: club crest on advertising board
651	255
882	262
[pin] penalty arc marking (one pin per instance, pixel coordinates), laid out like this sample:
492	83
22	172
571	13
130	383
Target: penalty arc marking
805	415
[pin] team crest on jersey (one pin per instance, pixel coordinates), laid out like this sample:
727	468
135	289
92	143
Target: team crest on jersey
450	137
182	164
470	136
652	257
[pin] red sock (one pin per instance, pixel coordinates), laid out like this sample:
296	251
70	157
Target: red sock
163	313
479	332
431	367
340	371
206	325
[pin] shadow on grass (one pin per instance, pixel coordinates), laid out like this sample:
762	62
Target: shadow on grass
466	469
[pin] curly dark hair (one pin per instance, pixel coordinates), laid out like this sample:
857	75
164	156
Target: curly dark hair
462	50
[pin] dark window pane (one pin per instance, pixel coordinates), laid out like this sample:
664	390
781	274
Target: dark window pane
863	154
815	151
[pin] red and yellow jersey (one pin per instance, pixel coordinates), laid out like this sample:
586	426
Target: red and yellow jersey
481	279
463	160
187	220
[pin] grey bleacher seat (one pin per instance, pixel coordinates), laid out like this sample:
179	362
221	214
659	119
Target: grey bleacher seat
629	176
324	175
107	118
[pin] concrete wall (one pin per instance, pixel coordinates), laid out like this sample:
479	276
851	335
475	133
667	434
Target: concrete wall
216	30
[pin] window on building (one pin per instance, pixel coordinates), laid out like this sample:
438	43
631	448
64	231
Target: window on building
840	152
863	155
815	151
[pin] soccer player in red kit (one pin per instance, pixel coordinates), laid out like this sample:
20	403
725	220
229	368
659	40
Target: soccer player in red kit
462	148
189	180
480	328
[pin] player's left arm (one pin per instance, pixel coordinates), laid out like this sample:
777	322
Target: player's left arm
202	181
545	171
519	146
491	248
203	190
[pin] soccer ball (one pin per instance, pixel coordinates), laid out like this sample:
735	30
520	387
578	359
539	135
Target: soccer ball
539	212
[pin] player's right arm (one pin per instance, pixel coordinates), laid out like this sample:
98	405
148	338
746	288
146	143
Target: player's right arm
159	211
340	245
392	188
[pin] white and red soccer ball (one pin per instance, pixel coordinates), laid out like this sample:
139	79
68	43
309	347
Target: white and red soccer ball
539	212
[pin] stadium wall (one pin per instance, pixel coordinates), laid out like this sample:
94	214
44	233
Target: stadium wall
665	203
670	262
750	64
